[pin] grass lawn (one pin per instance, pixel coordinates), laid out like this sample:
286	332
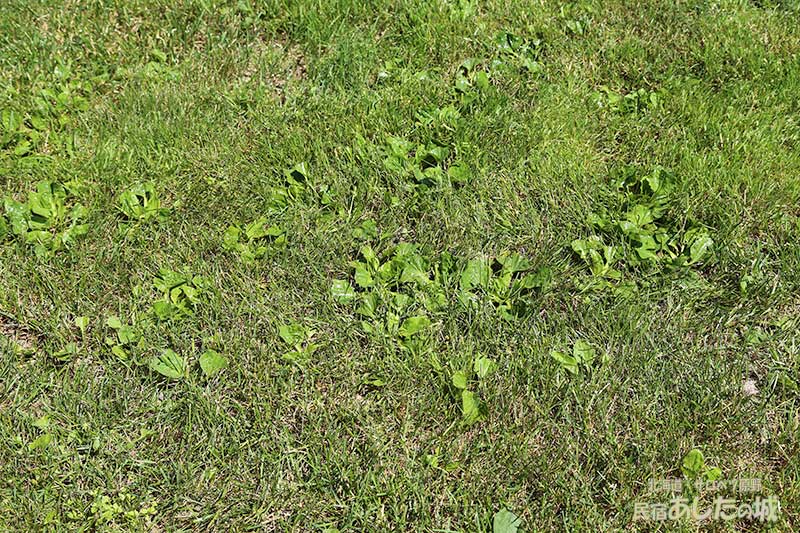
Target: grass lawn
404	265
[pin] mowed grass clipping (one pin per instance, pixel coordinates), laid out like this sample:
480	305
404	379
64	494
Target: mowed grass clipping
396	266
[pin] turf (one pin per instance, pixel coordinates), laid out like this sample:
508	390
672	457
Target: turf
359	422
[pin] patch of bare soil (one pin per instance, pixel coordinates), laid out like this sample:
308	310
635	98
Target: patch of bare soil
16	333
291	66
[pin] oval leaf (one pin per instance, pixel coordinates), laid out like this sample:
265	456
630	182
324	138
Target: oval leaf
212	362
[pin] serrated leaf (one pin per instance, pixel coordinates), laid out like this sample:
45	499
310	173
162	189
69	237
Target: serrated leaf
374	381
158	55
67	353
370	257
128	335
538	279
166	280
10	120
42	422
400	301
23	147
639	216
436	154
298	173
139	202
392	323
295	356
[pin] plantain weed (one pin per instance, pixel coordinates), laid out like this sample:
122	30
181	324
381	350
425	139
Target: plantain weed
181	293
50	219
254	240
141	202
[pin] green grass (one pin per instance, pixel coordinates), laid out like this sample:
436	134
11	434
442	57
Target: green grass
214	101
